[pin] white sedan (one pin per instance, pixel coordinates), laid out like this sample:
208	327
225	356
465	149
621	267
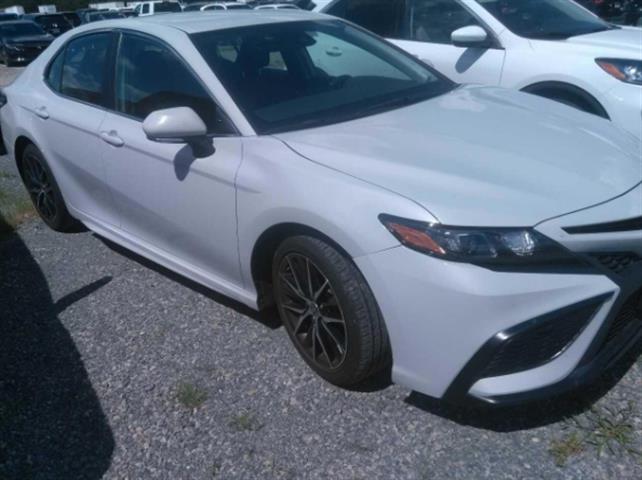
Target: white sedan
483	243
552	48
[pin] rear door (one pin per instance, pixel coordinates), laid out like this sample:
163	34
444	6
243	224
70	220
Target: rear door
68	114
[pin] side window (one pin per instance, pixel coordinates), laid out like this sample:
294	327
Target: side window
143	85
383	17
146	8
54	74
435	20
85	67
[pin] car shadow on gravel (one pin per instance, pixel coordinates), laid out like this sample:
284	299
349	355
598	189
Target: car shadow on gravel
531	415
268	317
52	425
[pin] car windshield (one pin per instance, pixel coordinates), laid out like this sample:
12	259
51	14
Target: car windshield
167	7
20	29
294	75
8	16
105	16
52	20
544	19
240	6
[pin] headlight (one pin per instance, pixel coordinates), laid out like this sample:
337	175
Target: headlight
629	71
494	248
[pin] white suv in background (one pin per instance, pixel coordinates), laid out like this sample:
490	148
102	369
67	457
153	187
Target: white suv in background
553	48
144	9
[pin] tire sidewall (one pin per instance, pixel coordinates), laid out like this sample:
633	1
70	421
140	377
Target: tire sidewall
351	302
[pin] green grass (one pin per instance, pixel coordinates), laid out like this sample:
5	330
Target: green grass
602	429
15	208
190	396
567	447
246	422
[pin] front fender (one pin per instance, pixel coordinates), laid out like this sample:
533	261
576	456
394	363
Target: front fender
276	186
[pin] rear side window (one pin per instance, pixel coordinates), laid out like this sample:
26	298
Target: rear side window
54	74
84	70
385	18
143	84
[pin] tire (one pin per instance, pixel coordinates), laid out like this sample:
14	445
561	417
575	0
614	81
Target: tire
362	335
43	189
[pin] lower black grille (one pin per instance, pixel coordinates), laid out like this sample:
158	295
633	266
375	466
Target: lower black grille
630	314
539	344
618	262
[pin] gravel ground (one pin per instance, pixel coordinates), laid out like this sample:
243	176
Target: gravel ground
111	367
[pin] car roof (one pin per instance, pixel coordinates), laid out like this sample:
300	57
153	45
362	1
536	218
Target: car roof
196	22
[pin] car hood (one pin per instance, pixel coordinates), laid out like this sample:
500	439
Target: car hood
624	39
482	156
30	39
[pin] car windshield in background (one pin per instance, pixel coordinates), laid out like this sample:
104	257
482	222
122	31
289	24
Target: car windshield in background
49	21
167	7
104	16
20	29
544	19
289	76
8	16
239	7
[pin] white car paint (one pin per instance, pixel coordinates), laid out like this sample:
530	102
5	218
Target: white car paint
517	62
476	156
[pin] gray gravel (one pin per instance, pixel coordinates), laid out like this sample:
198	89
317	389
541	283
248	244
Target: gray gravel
100	351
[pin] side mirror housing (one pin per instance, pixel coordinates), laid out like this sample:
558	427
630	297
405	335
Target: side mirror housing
470	37
179	125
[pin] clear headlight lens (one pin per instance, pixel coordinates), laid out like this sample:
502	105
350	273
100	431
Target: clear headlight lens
629	71
496	248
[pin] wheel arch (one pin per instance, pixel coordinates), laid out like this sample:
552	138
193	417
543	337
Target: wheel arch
263	253
21	143
592	104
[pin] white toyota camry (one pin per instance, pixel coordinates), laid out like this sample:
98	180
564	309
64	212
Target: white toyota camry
483	243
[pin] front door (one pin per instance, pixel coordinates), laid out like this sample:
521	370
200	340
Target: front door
182	206
429	26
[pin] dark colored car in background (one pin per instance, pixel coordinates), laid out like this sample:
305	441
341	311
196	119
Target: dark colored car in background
621	12
72	17
54	23
4	17
21	41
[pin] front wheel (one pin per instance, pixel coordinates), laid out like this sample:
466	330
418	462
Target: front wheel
329	311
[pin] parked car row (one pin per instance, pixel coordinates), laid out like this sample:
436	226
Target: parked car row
22	38
482	244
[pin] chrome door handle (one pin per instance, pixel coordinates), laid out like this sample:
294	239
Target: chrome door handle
42	112
112	138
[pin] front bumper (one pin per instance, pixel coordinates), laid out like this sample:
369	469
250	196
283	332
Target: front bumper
447	321
25	55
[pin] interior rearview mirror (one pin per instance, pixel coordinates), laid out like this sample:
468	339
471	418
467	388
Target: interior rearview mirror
179	125
471	36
